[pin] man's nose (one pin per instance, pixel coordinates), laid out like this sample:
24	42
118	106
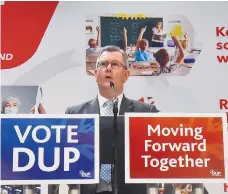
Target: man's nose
109	67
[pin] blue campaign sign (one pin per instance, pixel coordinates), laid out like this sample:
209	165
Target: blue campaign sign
50	149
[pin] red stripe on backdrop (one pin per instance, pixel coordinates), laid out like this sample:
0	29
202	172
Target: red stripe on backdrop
23	26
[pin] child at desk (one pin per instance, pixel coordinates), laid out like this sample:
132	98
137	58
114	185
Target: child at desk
142	45
162	57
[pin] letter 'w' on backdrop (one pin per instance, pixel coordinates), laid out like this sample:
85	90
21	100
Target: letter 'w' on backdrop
173	147
49	149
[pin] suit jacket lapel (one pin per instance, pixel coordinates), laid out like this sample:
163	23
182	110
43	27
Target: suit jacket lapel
93	107
126	106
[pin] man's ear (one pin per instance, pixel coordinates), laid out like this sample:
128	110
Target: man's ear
127	74
95	71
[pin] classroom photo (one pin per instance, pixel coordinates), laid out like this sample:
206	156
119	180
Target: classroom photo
155	45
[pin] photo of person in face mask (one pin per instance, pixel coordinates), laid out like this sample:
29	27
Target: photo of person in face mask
10	105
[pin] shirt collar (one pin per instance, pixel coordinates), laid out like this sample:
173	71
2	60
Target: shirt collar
102	99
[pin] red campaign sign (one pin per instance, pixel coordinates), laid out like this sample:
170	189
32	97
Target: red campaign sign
175	148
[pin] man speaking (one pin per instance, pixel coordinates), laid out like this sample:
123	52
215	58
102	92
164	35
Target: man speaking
111	67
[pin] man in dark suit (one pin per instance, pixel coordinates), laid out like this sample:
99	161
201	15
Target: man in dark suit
112	65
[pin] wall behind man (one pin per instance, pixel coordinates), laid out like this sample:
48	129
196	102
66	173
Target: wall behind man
58	62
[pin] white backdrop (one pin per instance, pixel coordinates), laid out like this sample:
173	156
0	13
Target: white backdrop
59	63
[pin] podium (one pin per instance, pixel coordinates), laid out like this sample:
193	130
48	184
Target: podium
106	134
92	131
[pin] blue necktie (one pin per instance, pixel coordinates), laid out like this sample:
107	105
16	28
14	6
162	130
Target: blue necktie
105	173
108	108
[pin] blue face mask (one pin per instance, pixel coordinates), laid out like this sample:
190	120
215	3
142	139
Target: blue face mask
11	110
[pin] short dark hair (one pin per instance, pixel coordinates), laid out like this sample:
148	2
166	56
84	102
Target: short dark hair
162	57
90	40
143	43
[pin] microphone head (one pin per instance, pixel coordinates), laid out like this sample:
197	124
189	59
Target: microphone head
111	84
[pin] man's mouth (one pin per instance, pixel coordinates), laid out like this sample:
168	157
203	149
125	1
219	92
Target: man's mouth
108	77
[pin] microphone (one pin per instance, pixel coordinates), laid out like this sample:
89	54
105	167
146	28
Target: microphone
115	99
111	84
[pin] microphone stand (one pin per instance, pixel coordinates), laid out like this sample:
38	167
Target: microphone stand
114	148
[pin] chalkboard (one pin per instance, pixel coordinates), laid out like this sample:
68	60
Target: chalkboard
112	30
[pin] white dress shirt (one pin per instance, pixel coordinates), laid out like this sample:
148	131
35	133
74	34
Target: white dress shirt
102	100
103	186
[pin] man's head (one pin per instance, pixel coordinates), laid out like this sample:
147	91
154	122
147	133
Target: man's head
162	57
10	105
112	65
143	44
92	43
